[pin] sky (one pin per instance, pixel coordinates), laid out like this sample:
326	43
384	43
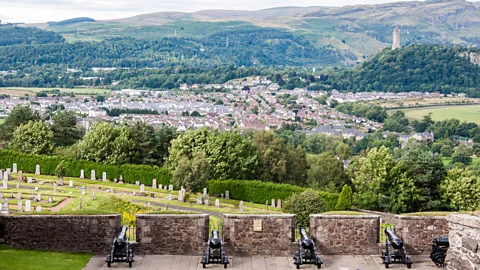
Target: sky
36	11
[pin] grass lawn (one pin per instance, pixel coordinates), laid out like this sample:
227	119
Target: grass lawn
462	113
475	161
15	259
344	213
428	214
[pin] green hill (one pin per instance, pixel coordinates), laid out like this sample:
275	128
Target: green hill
11	35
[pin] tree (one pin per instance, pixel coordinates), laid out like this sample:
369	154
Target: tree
461	190
303	204
345	199
462	155
33	138
326	172
192	173
60	172
18	116
65	131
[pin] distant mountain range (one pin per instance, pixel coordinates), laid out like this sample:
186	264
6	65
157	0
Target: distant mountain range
355	32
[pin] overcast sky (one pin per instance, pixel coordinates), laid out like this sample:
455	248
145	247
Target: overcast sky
33	11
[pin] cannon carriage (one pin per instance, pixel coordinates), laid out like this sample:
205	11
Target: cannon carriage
307	252
121	251
440	247
215	253
395	251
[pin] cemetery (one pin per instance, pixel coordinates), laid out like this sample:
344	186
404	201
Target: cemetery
131	223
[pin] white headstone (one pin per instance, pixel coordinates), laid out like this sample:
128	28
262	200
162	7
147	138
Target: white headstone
199	200
137	183
50	199
20	176
279	203
169	197
154	183
1	195
36	188
28	206
38	209
160	186
17	185
227	195
241	206
9	171
5	184
92	175
19	196
217	202
180	195
37	169
39	197
104	176
1	174
93	196
29	180
120	179
14	167
70	183
54	187
206	201
170	187
82	174
20	207
84	190
165	188
273	202
5	206
204	191
142	190
6	175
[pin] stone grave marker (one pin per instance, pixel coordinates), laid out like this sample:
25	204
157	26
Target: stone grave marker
221	195
206	201
181	187
28	206
154	183
6	175
20	176
137	183
17	185
37	169
273	203
120	179
39	196
9	171
82	174
1	174
93	196
84	190
165	188
81	202
19	196
134	193
217	202
5	206
149	205
38	209
1	195
199	200
279	203
180	195
169	197
104	176
152	195
29	180
36	188
142	190
204	191
5	184
70	183
50	199
54	187
170	187
92	175
227	195
241	206
160	186
14	167
20	207
266	205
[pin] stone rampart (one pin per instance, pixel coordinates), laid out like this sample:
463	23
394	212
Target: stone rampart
93	233
247	235
172	234
464	239
342	234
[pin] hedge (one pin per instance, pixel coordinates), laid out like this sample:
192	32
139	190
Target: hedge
130	172
260	192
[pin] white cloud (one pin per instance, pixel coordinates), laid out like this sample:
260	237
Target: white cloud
31	11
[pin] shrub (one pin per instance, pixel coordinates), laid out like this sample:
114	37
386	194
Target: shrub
345	199
259	192
48	165
303	204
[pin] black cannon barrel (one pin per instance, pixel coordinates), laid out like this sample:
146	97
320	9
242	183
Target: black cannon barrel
307	243
396	242
215	241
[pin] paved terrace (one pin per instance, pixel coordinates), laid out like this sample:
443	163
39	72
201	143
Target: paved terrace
170	262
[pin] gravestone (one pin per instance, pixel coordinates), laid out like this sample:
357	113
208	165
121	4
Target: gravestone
266	205
221	195
137	183
5	184
14	167
1	174
29	180
217	203
104	176
82	174
1	195
180	195
181	188
120	179
19	207
70	183
149	205
165	188
170	187
50	199
279	203
227	195
154	183
152	195
19	196
142	190
199	200
93	196
35	189
54	187
206	201
38	209
169	197
17	185
39	196
5	207
204	191
115	180
134	193
241	206
84	190
9	171
37	169
6	175
273	203
81	202
20	176
160	186
92	175
28	206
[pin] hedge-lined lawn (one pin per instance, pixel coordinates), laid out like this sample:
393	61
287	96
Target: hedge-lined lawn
15	259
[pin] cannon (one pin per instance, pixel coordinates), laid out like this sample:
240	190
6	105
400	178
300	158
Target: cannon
215	253
395	251
307	253
440	246
121	252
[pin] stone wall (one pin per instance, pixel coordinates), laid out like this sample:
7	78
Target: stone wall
172	234
247	235
384	217
61	233
418	232
464	238
342	234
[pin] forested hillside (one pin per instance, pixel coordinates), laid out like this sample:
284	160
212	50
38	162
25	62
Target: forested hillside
10	35
425	68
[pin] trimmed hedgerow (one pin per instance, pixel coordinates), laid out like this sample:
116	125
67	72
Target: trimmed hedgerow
260	192
48	164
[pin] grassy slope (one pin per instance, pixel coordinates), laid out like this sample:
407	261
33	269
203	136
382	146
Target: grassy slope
462	113
14	259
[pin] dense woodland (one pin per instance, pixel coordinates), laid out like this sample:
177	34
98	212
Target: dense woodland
11	35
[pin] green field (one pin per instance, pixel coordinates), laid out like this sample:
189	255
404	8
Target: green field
462	113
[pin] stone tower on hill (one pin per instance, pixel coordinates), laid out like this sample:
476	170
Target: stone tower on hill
396	39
